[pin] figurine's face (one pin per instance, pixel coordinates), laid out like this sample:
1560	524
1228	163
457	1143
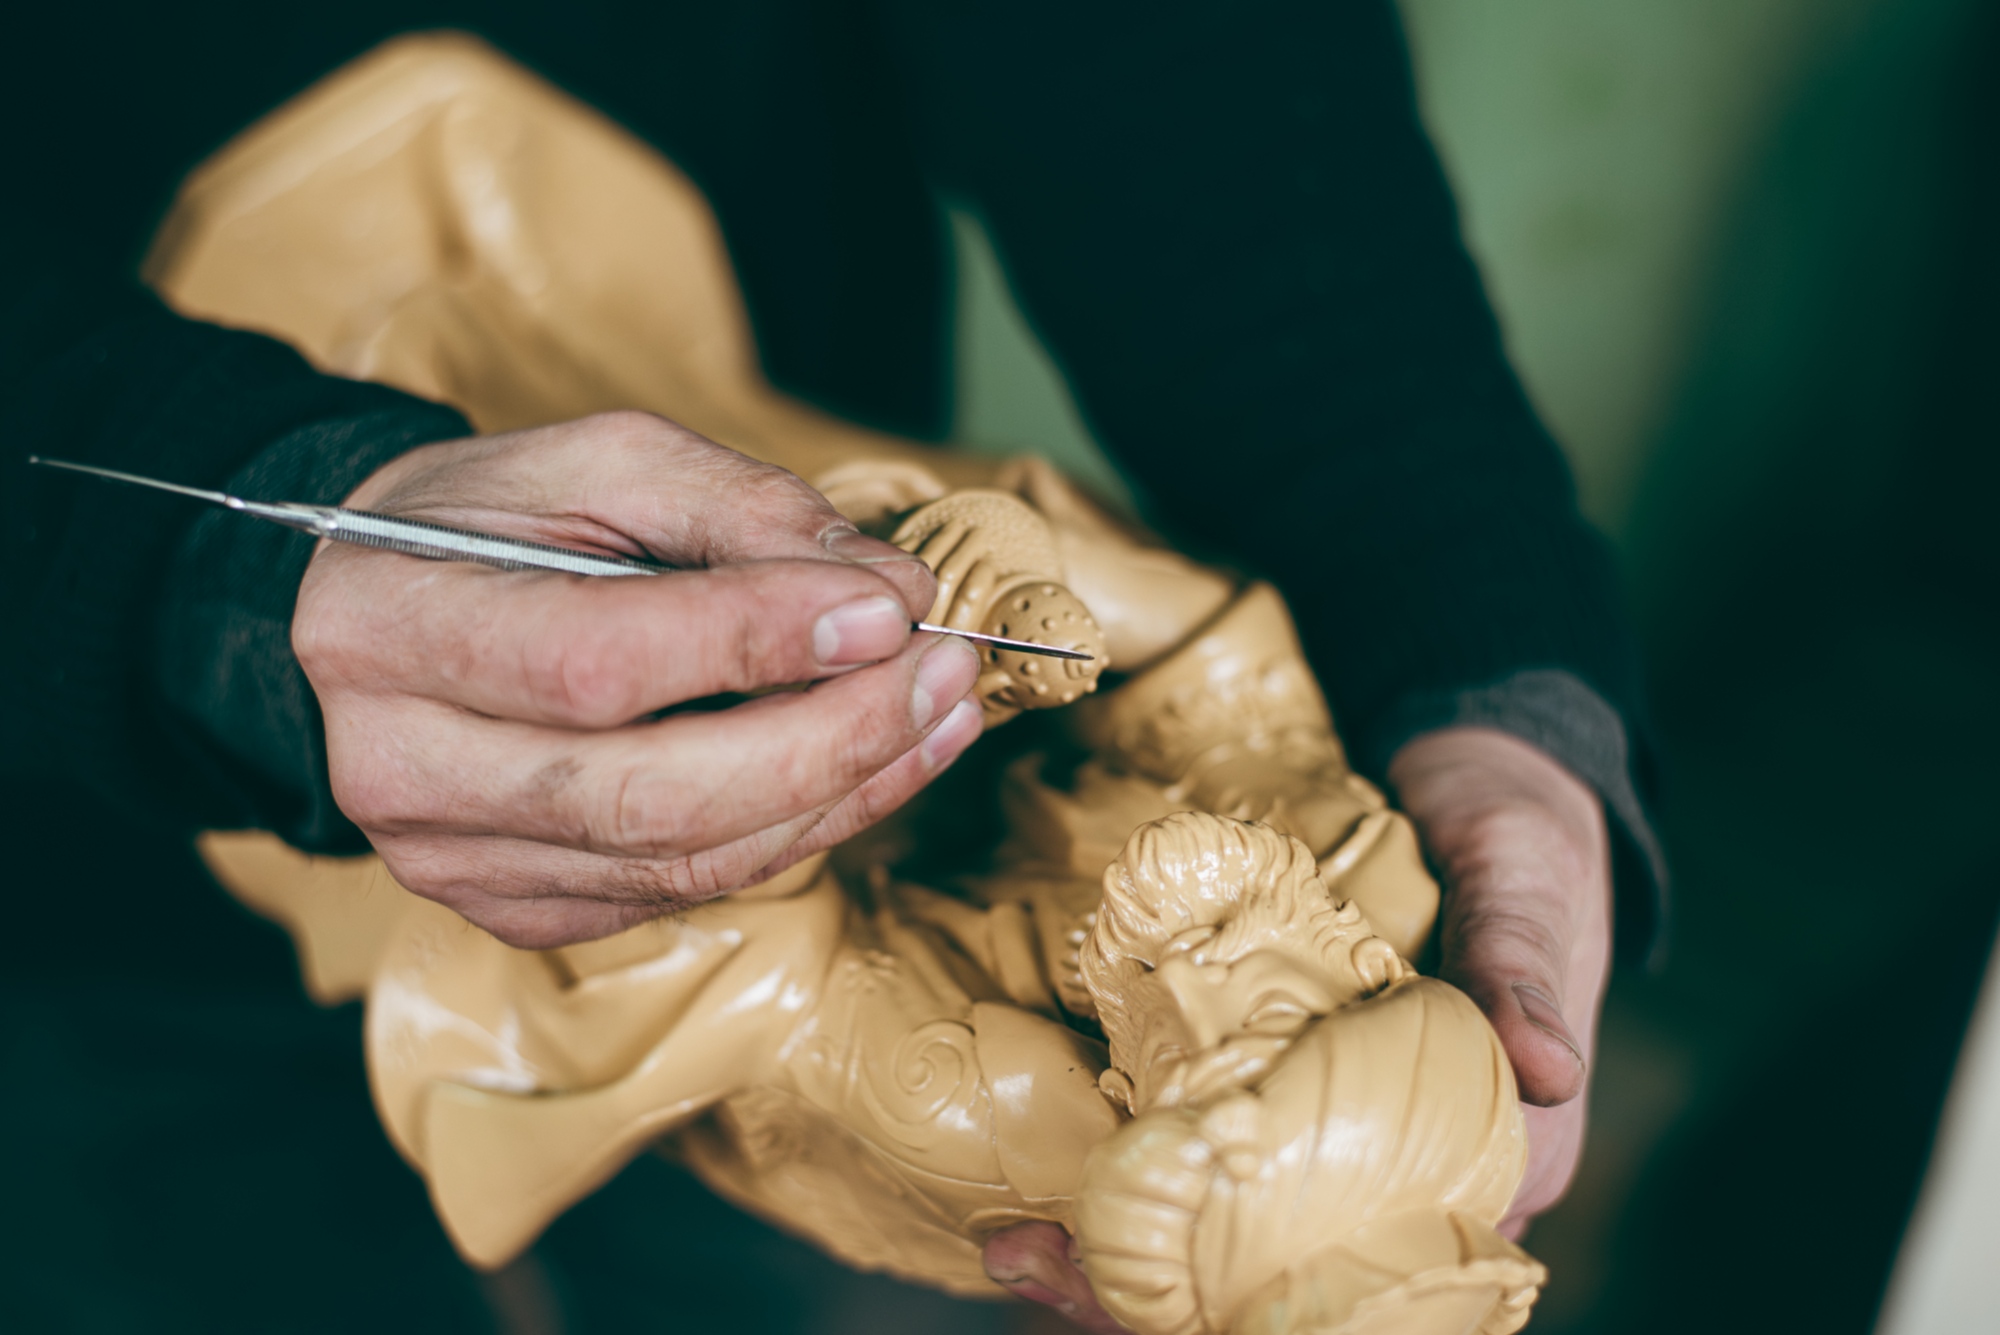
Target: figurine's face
1218	1021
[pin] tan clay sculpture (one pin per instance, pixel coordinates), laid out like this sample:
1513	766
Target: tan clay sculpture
1321	1136
1288	1131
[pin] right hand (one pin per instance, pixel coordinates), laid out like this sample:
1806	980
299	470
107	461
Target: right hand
488	730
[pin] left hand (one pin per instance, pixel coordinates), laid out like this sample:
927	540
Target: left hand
1526	933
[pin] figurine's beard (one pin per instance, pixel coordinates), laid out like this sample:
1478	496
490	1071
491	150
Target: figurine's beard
1235	1063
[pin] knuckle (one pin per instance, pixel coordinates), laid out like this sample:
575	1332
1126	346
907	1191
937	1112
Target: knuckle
371	798
535	924
667	884
492	895
732	629
755	648
631	427
379	774
718	871
322	635
736	638
1489	938
623	440
642	814
628	817
872	801
782	495
583	677
860	810
1496	925
552	792
510	929
423	868
848	750
664	885
859	754
418	881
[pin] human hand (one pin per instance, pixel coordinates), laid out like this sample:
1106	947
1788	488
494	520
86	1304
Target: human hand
489	730
1526	933
1038	1260
1526	929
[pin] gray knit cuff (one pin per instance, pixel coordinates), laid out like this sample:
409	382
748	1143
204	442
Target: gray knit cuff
1557	712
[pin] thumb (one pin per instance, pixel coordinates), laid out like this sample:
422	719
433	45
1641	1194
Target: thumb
1522	849
624	478
1036	1260
1512	964
701	503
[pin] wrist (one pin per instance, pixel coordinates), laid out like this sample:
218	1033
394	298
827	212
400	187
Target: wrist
395	472
1462	784
221	656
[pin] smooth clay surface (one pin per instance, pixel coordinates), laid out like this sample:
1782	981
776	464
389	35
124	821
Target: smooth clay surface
1282	1128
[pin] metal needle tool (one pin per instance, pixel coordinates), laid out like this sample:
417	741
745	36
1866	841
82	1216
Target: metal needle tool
438	542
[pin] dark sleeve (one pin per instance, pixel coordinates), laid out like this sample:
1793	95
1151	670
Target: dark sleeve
142	655
1230	227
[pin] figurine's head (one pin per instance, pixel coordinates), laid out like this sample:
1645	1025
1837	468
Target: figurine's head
1046	613
1215	944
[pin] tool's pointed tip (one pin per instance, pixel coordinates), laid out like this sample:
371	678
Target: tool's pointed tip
1004	642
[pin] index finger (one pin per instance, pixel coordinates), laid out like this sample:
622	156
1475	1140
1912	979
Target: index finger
580	652
688	501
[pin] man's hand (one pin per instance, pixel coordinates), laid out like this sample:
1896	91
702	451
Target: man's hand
490	731
1038	1261
1526	931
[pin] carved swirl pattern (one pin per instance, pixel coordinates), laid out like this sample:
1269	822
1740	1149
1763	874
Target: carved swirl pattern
931	1091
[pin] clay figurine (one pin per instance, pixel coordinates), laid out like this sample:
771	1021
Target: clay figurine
1169	1005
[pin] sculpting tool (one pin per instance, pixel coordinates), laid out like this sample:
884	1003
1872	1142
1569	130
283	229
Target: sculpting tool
438	542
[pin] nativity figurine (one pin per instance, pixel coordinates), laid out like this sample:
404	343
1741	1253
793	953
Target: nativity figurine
1169	1005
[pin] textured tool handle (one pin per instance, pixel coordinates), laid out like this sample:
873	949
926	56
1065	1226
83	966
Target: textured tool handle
439	542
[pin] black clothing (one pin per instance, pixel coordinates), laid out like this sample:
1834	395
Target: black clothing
1225	221
1228	225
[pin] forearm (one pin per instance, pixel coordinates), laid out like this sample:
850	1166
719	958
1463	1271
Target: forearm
228	683
98	608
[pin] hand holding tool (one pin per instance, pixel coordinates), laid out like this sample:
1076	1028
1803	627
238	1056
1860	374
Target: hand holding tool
440	542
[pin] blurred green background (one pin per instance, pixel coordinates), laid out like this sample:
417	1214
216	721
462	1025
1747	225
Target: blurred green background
1743	254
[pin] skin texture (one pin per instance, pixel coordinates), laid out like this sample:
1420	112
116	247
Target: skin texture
494	732
1526	862
1521	846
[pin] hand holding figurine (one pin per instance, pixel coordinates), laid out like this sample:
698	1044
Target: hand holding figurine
492	732
1526	931
1526	934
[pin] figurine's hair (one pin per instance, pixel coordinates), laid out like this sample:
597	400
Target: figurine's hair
1190	870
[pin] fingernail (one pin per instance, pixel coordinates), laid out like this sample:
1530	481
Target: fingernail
944	674
853	545
866	630
960	729
1542	1014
